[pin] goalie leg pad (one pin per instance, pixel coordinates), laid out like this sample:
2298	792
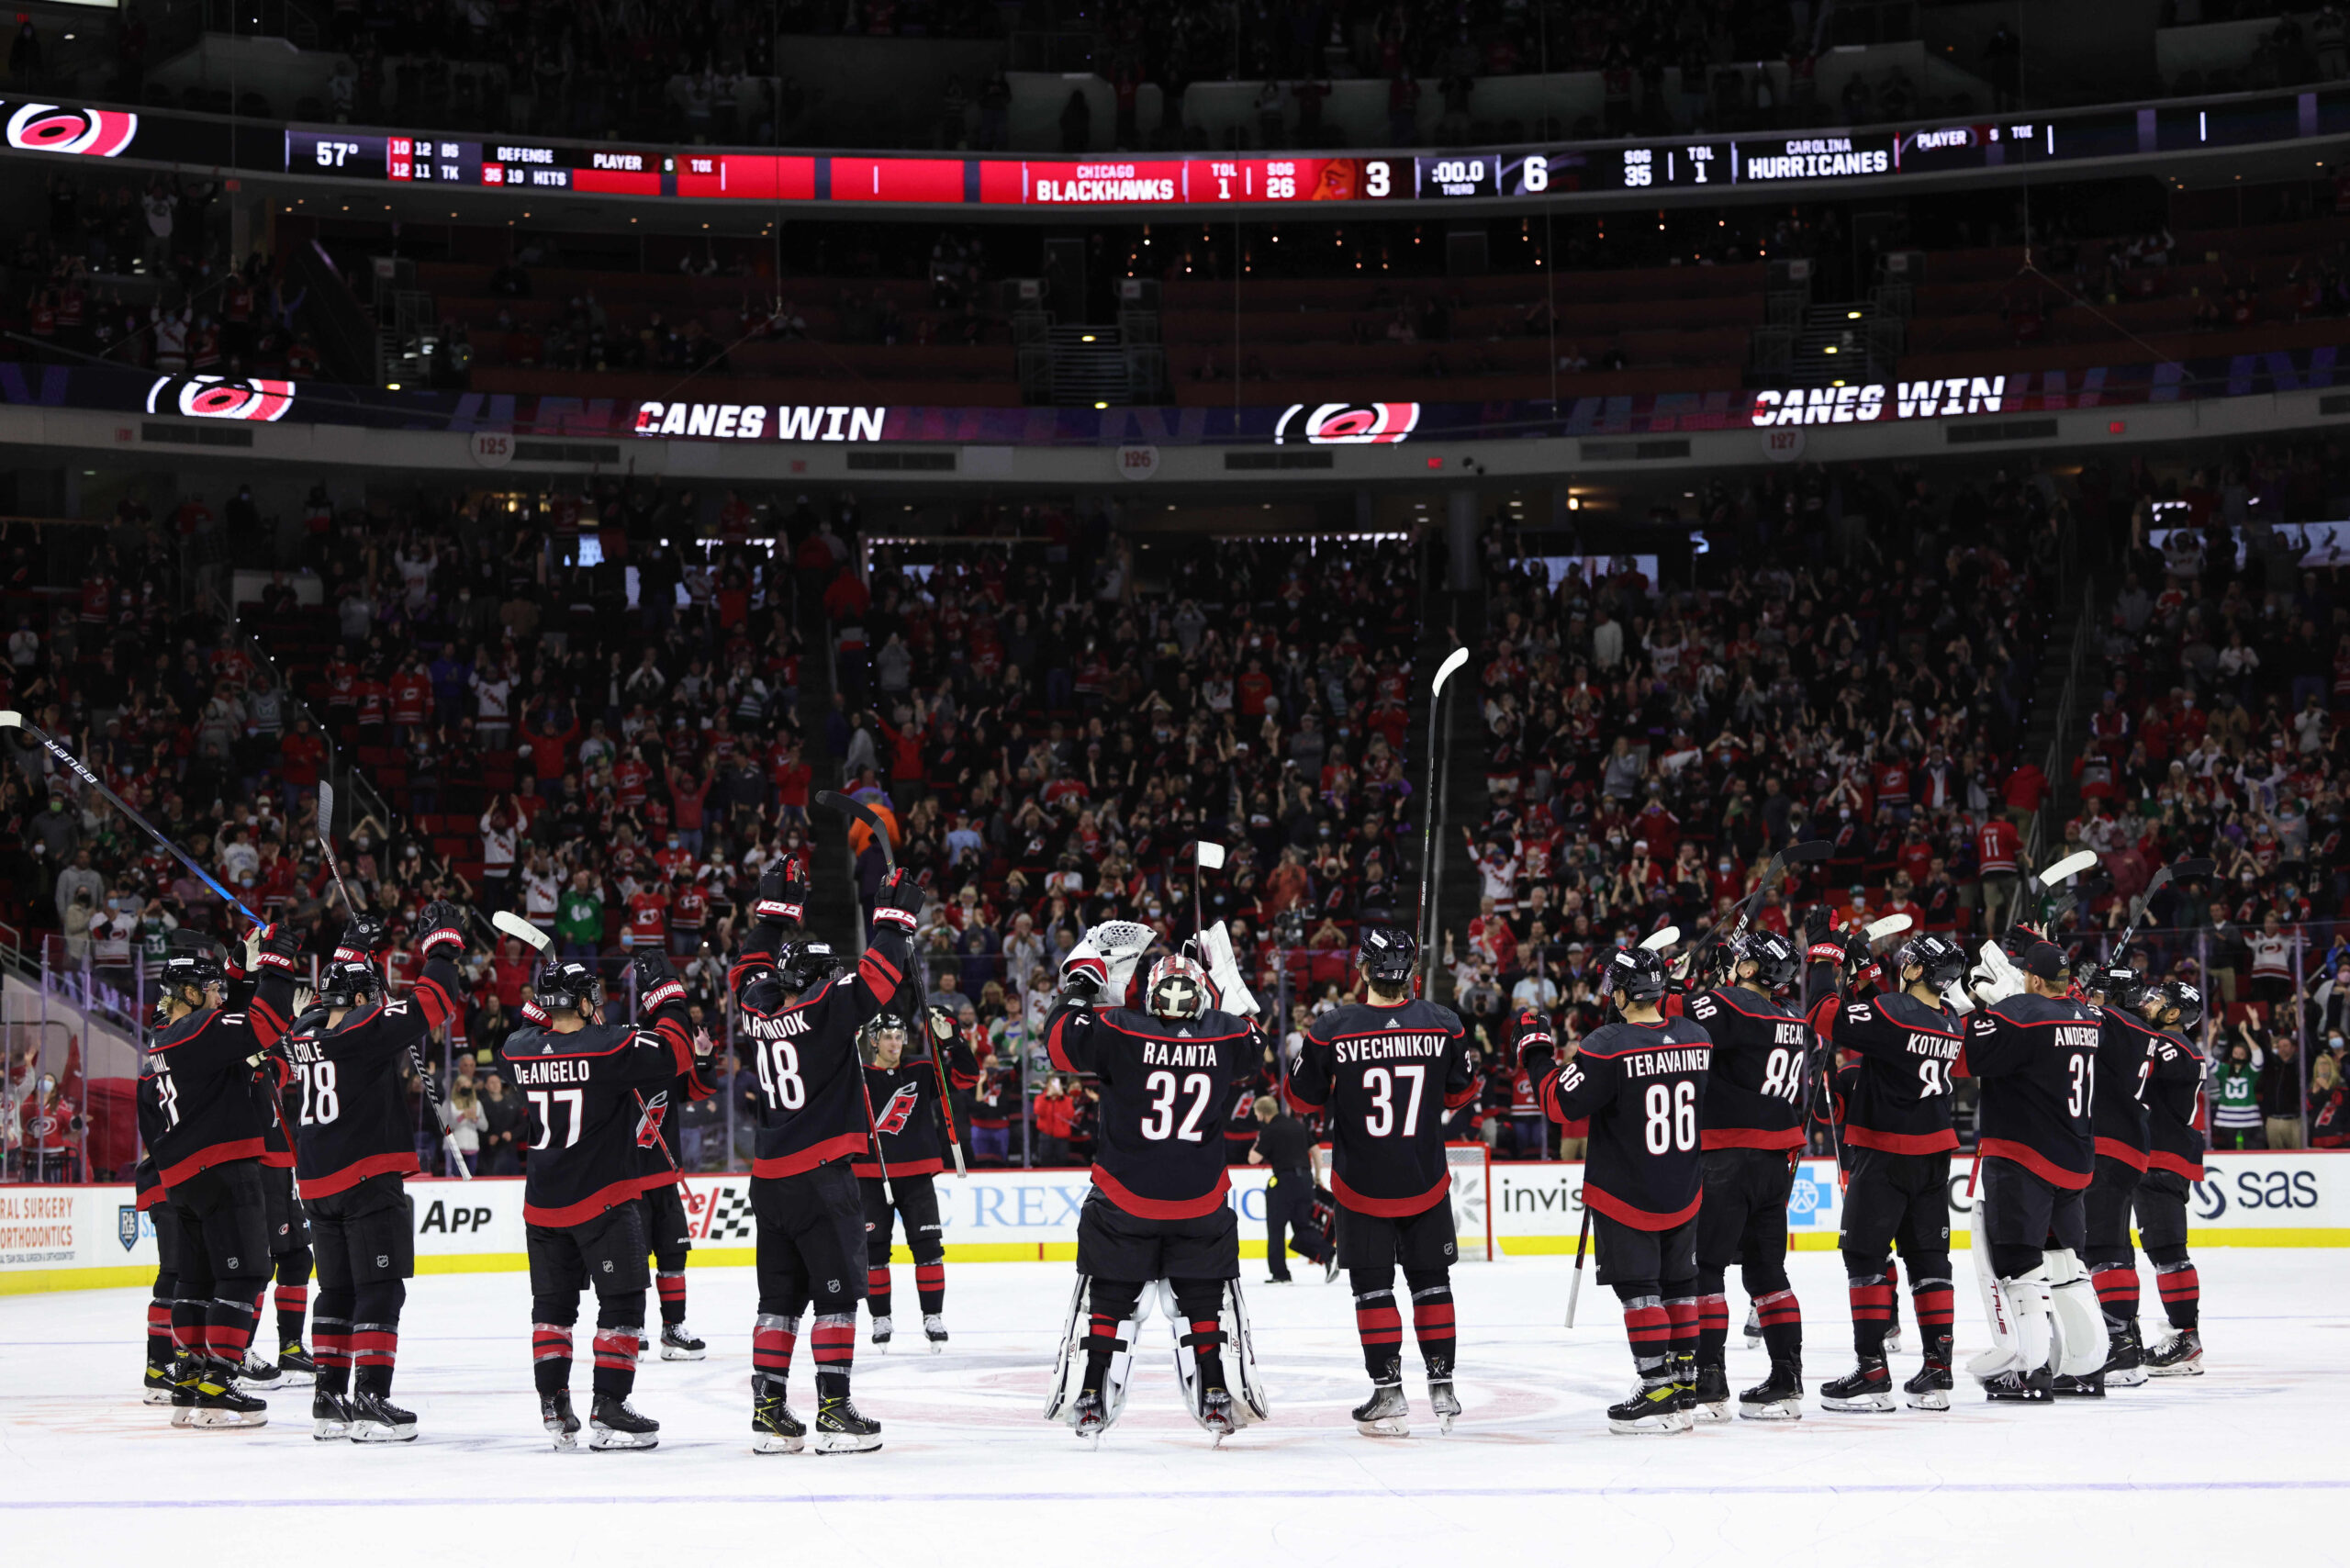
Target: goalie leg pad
2022	1325
1118	1310
2079	1342
1193	1309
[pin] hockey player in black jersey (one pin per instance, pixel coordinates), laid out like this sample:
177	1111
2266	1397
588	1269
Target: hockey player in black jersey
1386	1071
665	1226
584	1083
2125	1062
1159	1209
1642	1085
1752	1133
197	1093
1895	1128
355	1146
2035	1051
802	1021
903	1090
2173	1165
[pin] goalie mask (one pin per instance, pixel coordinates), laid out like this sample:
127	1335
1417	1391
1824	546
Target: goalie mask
1177	987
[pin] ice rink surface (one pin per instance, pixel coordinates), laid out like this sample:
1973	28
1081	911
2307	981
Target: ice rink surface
2250	1463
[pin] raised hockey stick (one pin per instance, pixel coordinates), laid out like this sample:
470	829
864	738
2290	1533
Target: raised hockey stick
835	801
1420	932
1582	1243
2055	876
2154	884
1657	941
12	720
1802	853
1205	857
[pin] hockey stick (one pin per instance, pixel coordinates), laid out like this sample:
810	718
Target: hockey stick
12	720
947	1112
2161	879
1802	853
1657	941
1205	857
424	1078
839	802
2055	876
1582	1241
1444	672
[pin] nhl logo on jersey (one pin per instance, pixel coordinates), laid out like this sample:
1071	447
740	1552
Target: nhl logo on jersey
126	1226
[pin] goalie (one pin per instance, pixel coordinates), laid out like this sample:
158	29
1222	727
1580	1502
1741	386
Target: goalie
1159	1210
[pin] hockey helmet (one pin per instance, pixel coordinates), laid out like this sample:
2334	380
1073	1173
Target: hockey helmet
1943	960
1177	987
804	962
194	962
877	1034
2188	997
2120	985
1640	974
1388	956
1773	957
568	985
349	982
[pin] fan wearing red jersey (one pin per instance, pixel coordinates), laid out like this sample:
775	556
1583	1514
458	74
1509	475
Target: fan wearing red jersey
1641	1083
1379	1069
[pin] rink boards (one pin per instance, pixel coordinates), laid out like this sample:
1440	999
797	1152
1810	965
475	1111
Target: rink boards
84	1238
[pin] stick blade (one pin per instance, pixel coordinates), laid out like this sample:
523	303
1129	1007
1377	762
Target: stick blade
2067	869
521	930
1211	856
326	807
1659	940
1809	850
1891	925
1445	671
11	720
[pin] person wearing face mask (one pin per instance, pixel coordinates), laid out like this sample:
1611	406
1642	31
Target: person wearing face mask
50	1124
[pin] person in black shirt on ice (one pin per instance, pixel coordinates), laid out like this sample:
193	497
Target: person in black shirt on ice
1286	1150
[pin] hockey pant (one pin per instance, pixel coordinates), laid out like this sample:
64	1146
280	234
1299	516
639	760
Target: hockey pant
917	1206
667	1232
224	1260
810	1233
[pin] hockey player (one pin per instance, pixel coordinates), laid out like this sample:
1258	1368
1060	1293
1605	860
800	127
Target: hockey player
584	1083
196	1091
2126	1044
1641	1081
355	1145
904	1093
1751	1134
2173	1164
288	1229
1895	1129
801	1020
1159	1208
664	1206
1379	1069
2036	1052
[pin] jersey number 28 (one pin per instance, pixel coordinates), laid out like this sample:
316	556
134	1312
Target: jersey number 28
320	1103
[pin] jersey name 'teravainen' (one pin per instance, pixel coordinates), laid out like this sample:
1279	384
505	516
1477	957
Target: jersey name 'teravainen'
1643	1088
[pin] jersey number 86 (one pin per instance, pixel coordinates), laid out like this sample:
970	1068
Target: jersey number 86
1672	1117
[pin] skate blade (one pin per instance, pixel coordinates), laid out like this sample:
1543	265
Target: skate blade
1771	1410
1933	1399
606	1440
295	1380
1892	1344
1646	1426
1385	1427
182	1416
847	1442
228	1421
2129	1377
330	1431
564	1442
1444	1426
938	1347
379	1432
2184	1369
156	1396
670	1354
2018	1396
1713	1411
773	1443
1866	1404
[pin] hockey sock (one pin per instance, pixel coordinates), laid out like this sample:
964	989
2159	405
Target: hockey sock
1893	1283
1432	1326
834	1344
293	1307
876	1290
228	1321
615	1374
930	1286
1713	1318
1681	1312
1872	1298
375	1335
2117	1293
1929	1290
159	1331
672	1286
1114	1303
1782	1324
772	1338
331	1338
1647	1326
2182	1293
1200	1305
1381	1327
550	1355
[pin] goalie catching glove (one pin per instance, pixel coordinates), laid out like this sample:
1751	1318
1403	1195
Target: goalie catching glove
1995	977
1099	968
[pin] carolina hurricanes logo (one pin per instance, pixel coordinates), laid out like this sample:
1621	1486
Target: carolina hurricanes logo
1349	424
899	1109
260	400
50	127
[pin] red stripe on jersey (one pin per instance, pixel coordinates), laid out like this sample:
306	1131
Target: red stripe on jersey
587	1208
1750	1137
1859	1137
1622	1213
438	1008
203	1159
1053	1045
2129	1154
333	1182
1390	1208
1141	1207
2032	1160
2177	1165
871	1171
809	1157
1298	1101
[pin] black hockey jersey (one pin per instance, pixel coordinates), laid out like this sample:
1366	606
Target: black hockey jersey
1386	1076
812	1084
1643	1087
2175	1105
1899	1099
198	1080
2037	1058
1754	1094
1166	1086
587	1091
2125	1062
351	1118
906	1111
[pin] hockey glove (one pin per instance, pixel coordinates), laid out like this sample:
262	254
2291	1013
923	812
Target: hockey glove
1816	924
900	900
444	931
783	893
941	1026
1995	976
656	982
274	947
1531	1044
363	938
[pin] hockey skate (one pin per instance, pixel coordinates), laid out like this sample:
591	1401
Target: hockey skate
615	1424
1386	1413
184	1376
376	1419
840	1429
1929	1389
1444	1401
774	1429
220	1404
883	1327
1866	1387
1090	1417
2020	1387
2181	1355
2066	1386
1711	1395
1216	1412
329	1417
555	1415
1893	1337
1654	1407
1778	1398
258	1371
934	1329
2125	1360
1331	1265
295	1366
678	1344
157	1385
